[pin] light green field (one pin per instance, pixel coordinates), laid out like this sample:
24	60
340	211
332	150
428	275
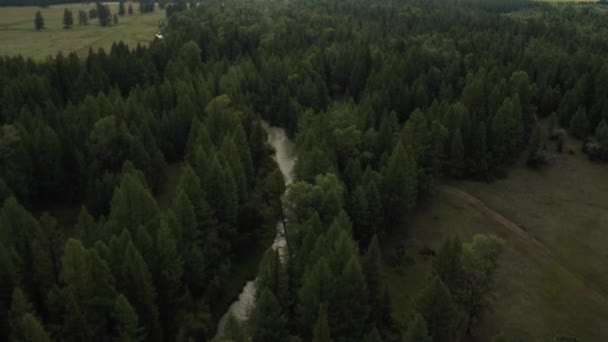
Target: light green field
553	278
18	36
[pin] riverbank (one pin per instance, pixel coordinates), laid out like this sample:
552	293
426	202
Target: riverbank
243	301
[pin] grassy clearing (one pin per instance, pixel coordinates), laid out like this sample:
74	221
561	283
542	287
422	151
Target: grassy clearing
552	280
19	37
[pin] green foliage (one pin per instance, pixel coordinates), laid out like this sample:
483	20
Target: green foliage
68	19
480	261
507	131
31	330
127	321
321	331
417	330
267	320
38	21
457	165
436	306
400	183
579	124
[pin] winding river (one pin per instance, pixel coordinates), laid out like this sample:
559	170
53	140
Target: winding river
285	157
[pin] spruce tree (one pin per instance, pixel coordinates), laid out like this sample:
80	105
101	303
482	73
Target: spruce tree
126	320
373	336
132	205
318	286
233	330
38	21
321	331
601	136
417	330
121	8
32	330
579	124
68	19
139	290
400	184
457	157
438	309
267	321
448	264
347	317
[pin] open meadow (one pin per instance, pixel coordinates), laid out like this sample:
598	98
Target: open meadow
19	37
552	281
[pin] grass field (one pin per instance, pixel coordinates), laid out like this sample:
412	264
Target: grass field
18	36
552	279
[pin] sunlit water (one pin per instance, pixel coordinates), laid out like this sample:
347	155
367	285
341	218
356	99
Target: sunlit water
285	157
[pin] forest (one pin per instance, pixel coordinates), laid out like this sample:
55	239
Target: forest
384	100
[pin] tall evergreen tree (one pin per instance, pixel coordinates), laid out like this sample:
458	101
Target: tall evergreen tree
121	8
321	331
38	21
438	309
68	19
579	124
417	331
127	322
400	184
267	320
457	157
347	317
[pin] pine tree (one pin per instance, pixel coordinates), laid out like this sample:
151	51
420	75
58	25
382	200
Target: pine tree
39	21
318	286
507	131
83	18
400	184
372	263
121	8
417	331
321	331
32	330
233	331
168	276
18	308
68	19
267	321
347	317
373	336
448	264
579	124
127	322
8	281
86	228
601	136
436	306
457	157
272	274
132	205
139	289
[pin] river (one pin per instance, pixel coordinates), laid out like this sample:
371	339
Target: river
285	157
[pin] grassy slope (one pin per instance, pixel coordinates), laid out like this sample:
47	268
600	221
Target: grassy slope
552	279
18	36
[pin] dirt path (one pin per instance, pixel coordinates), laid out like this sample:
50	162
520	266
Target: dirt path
525	237
503	221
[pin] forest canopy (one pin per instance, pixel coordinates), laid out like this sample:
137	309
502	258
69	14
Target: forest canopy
383	99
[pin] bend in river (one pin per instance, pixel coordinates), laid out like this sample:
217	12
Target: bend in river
285	157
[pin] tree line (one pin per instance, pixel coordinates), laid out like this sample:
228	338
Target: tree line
384	100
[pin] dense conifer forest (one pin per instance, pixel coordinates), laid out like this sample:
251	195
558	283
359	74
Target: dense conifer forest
384	100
